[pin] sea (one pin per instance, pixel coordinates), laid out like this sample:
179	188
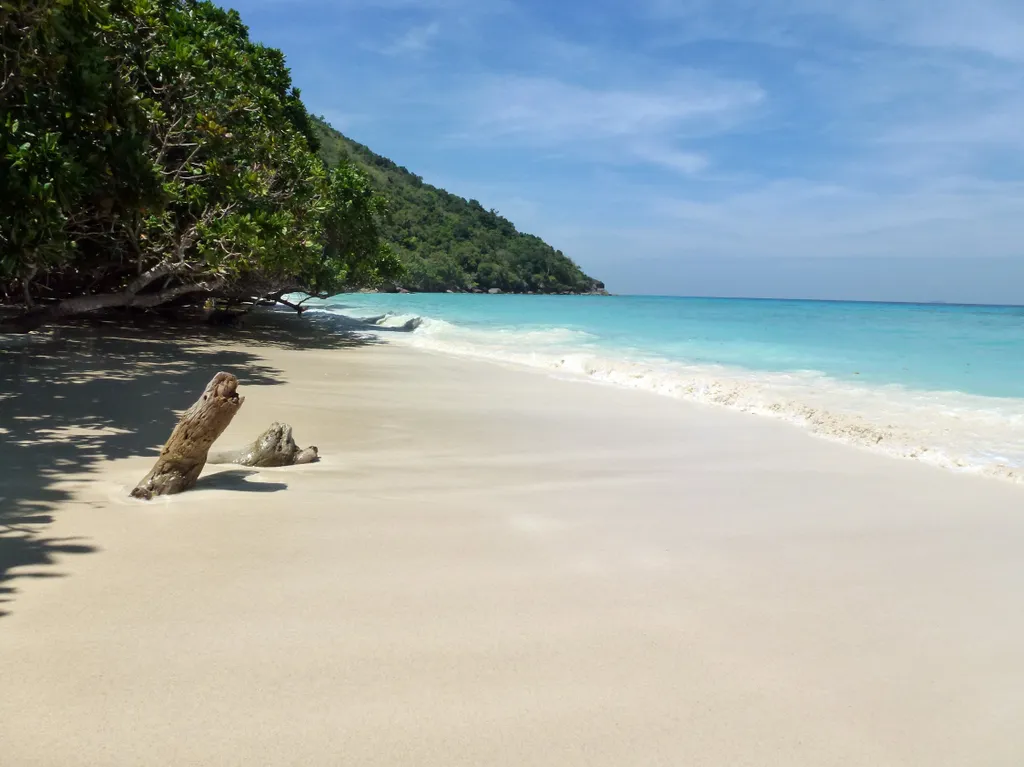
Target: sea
938	383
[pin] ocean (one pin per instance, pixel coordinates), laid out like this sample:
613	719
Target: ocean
933	382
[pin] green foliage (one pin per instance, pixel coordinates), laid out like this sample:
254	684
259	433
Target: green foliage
148	147
150	152
448	243
244	194
73	131
352	225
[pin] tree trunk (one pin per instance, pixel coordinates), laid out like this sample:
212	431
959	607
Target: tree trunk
274	447
130	297
184	455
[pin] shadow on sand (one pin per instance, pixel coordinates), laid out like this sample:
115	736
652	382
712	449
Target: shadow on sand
81	394
238	480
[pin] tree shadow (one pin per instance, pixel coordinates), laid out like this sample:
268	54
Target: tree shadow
77	395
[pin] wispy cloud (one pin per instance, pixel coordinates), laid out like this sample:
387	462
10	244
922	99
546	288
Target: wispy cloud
644	123
959	218
883	92
549	111
333	7
416	40
674	159
990	27
760	129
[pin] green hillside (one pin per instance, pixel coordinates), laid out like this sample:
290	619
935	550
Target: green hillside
449	243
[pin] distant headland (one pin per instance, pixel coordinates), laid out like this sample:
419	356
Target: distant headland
448	243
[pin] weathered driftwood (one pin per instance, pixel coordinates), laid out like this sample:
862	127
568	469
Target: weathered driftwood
274	447
184	455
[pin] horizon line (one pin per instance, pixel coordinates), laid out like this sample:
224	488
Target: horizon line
819	300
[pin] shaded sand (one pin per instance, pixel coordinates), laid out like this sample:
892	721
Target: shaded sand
489	567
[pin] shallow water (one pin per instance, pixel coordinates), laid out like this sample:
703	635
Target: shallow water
939	383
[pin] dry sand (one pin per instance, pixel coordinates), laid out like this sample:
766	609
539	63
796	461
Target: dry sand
489	567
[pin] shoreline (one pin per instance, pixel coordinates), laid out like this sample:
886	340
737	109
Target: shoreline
489	566
816	403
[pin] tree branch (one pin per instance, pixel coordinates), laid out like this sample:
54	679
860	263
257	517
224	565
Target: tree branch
123	300
25	285
152	275
279	298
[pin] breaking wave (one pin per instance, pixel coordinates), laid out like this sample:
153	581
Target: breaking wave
954	430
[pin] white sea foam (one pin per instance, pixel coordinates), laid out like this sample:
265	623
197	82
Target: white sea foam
949	429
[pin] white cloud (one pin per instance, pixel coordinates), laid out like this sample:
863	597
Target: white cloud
615	125
550	112
821	128
956	218
990	27
994	127
685	162
395	5
415	40
910	88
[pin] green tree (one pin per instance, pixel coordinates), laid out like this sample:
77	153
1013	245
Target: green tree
153	153
449	243
72	136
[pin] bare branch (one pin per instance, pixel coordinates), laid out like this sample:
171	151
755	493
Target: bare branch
297	307
152	275
26	286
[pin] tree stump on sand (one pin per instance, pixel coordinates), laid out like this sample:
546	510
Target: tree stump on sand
184	455
274	447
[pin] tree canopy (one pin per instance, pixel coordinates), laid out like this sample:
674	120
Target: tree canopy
448	243
151	153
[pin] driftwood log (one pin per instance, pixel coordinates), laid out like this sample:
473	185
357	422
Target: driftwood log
185	453
274	447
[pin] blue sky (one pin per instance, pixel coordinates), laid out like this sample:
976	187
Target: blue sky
795	148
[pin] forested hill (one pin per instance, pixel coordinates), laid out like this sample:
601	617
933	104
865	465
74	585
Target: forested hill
448	243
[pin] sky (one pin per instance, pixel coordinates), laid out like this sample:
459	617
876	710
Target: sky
838	149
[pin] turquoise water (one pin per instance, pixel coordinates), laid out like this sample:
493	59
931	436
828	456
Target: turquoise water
943	383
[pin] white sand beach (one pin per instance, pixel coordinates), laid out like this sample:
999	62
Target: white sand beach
488	567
